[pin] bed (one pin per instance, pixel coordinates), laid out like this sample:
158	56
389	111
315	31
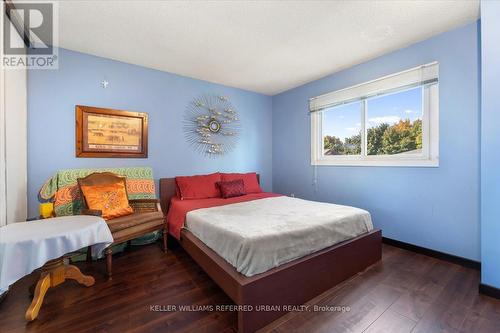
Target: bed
253	279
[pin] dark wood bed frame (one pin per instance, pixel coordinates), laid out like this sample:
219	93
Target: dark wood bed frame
291	284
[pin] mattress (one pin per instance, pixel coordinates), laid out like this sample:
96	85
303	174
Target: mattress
179	208
258	235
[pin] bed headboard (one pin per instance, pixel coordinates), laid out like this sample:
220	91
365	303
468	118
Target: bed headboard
167	192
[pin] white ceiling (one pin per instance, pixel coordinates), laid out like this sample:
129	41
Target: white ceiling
262	46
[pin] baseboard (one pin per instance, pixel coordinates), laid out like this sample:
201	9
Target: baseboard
433	253
489	291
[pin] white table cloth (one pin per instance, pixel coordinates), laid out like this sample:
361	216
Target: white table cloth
26	246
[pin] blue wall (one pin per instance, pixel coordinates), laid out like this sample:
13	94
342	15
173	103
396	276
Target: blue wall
53	94
437	208
490	143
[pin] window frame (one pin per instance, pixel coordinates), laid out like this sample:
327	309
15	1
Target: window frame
430	136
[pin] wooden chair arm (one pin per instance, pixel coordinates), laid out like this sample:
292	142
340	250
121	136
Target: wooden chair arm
93	212
144	200
145	205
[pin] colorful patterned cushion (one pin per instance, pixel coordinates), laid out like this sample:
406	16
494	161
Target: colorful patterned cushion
111	200
233	188
62	189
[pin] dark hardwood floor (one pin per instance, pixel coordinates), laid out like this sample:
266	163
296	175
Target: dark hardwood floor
406	292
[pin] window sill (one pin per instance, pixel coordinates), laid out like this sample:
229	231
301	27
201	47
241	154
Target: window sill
426	163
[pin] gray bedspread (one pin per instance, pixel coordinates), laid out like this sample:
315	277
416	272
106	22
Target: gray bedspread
258	235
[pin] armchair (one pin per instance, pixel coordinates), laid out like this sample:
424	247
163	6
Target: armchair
146	218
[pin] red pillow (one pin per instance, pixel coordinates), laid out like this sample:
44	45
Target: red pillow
199	187
233	188
177	191
250	180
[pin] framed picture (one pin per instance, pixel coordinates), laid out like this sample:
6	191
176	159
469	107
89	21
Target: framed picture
110	133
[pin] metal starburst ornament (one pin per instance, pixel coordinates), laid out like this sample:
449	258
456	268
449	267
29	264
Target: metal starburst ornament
211	125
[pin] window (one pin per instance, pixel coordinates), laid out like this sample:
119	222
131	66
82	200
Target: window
392	121
342	130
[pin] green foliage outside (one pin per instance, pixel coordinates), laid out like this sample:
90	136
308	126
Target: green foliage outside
383	139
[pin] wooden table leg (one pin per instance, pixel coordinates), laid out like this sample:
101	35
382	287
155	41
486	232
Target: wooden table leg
73	273
54	273
41	288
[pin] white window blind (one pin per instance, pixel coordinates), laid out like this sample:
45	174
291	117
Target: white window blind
421	75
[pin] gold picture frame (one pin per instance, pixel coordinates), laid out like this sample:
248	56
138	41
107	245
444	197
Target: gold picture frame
104	132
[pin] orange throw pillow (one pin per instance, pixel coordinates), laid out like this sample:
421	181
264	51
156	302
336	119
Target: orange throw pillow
110	199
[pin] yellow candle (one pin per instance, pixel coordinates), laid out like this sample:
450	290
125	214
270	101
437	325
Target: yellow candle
46	209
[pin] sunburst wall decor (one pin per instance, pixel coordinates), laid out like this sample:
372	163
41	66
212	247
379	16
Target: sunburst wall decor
211	125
